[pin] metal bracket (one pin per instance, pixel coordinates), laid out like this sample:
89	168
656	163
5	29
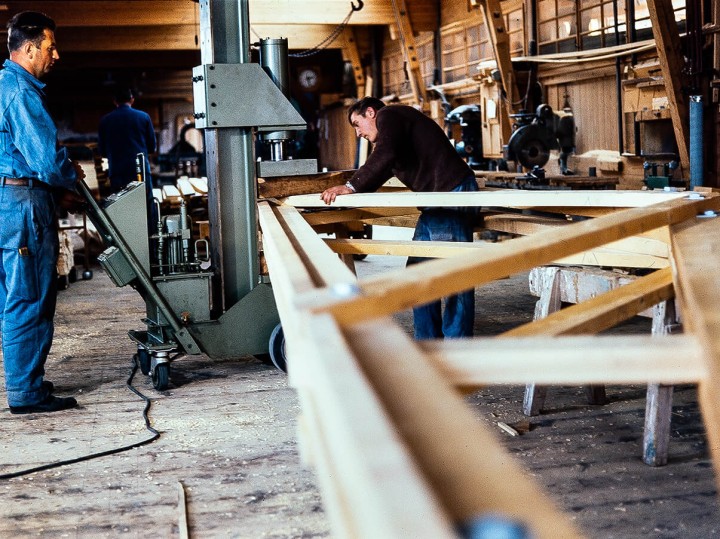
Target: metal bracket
241	95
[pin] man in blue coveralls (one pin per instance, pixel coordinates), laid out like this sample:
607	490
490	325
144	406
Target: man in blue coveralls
34	176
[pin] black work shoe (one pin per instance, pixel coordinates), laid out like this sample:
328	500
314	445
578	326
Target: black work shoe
48	386
50	404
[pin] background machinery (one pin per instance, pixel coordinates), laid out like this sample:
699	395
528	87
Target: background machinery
218	304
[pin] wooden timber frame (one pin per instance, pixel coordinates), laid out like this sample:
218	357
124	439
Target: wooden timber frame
396	450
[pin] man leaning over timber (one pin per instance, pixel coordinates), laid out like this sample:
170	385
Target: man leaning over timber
409	145
34	176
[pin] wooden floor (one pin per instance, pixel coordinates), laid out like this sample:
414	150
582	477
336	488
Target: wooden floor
228	435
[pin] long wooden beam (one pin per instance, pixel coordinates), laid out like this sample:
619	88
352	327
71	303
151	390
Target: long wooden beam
88	13
523	225
577	360
502	198
422	283
351	443
180	37
462	461
342	216
601	256
373	435
696	250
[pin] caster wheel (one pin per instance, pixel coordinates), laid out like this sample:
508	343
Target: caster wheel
143	360
72	276
161	376
277	348
87	275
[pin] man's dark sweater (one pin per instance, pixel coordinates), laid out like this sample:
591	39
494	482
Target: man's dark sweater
414	148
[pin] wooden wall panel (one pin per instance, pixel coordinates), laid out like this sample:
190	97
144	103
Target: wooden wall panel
594	106
337	142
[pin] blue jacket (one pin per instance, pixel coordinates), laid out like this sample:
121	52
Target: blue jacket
124	133
28	136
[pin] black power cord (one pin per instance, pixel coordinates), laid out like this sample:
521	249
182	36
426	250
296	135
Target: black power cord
155	436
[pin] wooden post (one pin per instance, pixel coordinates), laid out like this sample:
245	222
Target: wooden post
658	407
497	32
549	302
407	40
350	54
670	54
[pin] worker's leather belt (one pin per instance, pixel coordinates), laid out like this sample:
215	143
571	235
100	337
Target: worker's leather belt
23	182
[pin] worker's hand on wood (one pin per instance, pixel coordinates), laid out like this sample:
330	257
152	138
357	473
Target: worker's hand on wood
328	195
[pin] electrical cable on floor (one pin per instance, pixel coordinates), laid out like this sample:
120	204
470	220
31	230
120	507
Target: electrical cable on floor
91	456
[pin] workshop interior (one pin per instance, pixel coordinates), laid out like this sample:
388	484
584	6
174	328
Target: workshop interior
290	397
235	107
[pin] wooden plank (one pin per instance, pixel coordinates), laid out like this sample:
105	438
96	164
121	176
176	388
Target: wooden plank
382	488
88	13
671	56
296	185
571	360
328	217
503	198
421	283
180	37
526	224
445	437
603	311
696	250
600	256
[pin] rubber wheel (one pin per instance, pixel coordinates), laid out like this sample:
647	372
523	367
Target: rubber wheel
277	348
143	359
87	275
161	376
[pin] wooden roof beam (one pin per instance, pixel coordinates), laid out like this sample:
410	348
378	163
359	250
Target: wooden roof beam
181	37
96	13
670	54
409	49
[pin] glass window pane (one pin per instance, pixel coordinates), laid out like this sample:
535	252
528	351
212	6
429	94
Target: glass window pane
566	7
566	27
546	32
546	9
590	21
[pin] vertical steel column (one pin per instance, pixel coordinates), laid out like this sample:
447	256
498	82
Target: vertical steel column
696	141
225	39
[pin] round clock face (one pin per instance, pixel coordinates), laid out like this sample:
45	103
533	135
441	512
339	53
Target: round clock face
309	79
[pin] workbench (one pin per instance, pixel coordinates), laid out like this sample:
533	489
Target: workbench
517	180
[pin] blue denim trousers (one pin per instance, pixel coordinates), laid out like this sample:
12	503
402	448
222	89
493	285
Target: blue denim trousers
446	224
28	288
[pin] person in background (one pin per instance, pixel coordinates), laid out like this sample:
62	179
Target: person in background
35	175
409	145
122	134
